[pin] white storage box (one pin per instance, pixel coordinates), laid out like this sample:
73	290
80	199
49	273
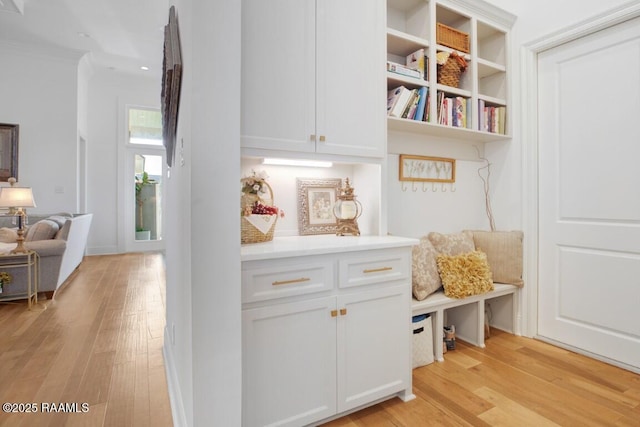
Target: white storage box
422	340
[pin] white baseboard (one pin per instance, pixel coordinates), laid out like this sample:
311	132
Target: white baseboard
175	395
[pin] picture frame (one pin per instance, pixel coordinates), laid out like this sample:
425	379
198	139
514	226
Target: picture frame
316	198
427	169
9	134
171	85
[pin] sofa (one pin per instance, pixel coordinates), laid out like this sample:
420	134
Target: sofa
60	241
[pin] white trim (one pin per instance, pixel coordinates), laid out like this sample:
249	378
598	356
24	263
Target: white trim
529	135
173	386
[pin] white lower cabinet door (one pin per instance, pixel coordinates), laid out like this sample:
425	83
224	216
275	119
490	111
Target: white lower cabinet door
289	363
374	345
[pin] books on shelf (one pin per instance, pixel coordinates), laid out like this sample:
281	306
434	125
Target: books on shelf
403	70
491	118
454	111
408	103
419	62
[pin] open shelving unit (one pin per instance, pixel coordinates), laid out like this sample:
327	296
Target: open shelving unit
411	25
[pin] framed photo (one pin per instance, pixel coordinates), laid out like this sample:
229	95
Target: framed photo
427	169
316	198
8	151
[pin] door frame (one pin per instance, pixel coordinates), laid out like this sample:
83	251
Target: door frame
529	135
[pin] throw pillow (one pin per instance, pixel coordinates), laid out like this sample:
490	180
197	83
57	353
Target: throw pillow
452	244
42	230
504	254
465	274
8	235
425	277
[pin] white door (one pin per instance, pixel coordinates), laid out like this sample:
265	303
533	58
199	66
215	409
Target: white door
589	202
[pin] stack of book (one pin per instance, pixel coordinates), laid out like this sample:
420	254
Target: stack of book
416	65
412	104
491	118
454	111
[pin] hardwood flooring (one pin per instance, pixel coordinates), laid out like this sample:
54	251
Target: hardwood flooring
98	343
100	340
514	381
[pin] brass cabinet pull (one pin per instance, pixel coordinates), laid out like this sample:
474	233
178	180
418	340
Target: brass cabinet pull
322	138
377	270
287	282
312	137
334	313
343	312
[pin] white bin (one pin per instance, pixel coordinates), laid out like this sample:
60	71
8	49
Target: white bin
422	340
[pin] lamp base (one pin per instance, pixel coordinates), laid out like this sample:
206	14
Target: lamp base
20	249
347	227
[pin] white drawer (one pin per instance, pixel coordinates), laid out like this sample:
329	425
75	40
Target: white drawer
279	281
374	267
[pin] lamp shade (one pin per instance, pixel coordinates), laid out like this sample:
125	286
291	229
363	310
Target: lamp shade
16	197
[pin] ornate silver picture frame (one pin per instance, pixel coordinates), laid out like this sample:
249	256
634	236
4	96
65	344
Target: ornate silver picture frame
316	198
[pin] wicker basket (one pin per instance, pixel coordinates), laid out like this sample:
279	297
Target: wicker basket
452	38
449	73
248	232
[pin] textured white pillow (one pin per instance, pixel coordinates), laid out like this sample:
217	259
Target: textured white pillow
425	277
8	235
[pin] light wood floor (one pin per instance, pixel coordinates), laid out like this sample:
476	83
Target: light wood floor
514	381
98	342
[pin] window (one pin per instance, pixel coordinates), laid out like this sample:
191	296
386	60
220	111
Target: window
145	126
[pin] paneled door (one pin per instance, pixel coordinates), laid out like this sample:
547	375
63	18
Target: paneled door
589	200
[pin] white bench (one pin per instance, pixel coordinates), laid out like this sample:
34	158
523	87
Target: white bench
468	314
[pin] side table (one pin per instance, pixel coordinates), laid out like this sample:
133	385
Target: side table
29	260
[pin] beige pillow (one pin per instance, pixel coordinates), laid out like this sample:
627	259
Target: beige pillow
8	235
425	277
465	274
452	244
42	230
504	254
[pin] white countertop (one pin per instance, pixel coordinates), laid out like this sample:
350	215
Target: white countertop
281	247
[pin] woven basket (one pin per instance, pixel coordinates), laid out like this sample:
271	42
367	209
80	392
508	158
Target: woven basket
248	232
449	73
452	38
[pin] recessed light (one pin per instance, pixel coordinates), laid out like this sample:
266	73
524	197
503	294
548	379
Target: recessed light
145	68
84	35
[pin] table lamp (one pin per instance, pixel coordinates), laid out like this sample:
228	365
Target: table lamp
17	198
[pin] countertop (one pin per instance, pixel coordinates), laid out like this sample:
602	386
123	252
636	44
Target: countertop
282	247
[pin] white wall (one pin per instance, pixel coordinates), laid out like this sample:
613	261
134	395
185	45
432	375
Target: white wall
108	94
39	92
203	243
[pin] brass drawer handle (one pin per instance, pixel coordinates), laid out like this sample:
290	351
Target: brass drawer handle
377	270
288	282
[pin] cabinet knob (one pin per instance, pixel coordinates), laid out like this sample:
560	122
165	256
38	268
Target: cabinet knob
343	312
322	138
334	313
312	137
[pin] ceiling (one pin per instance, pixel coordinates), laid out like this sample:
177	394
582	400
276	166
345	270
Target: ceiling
120	35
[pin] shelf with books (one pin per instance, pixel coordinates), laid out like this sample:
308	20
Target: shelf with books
436	130
476	31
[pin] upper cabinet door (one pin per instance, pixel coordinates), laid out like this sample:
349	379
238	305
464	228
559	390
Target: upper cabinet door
351	95
278	74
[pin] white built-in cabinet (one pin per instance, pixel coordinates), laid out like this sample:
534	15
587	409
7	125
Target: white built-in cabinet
312	80
326	327
411	25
